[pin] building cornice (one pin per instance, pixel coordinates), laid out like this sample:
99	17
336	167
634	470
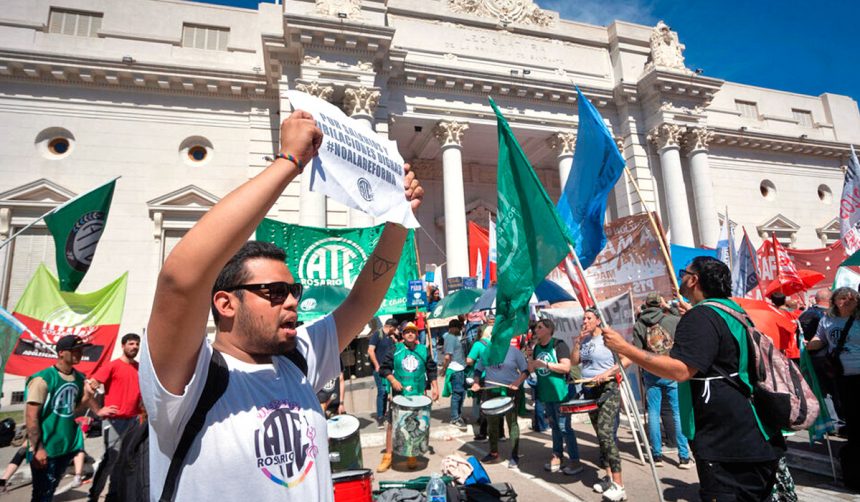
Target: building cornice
772	142
55	69
311	31
665	82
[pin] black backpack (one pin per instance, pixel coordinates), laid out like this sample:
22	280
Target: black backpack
131	472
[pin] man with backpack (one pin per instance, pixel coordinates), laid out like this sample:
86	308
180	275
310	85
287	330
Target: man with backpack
736	453
239	419
654	332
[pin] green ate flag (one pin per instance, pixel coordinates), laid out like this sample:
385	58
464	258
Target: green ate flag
334	257
77	227
530	238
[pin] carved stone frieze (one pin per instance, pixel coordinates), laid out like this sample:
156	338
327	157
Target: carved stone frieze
697	139
666	136
352	8
506	11
360	101
562	143
450	133
316	89
665	49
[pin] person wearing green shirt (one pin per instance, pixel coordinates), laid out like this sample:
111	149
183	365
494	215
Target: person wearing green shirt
479	422
54	395
410	370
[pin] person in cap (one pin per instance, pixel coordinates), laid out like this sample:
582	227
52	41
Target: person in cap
454	369
410	371
654	332
53	396
122	408
380	345
265	437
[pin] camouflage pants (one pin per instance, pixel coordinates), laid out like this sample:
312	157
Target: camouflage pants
603	420
783	489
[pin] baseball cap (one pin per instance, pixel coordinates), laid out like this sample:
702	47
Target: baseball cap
71	342
409	326
653	299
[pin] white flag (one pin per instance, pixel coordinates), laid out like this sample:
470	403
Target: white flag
479	269
726	251
849	207
355	166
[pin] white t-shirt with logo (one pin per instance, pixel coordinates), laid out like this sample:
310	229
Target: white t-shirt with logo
264	439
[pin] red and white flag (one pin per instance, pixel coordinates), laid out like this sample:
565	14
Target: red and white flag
849	206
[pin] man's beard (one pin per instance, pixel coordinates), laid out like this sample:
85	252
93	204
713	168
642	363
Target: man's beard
260	339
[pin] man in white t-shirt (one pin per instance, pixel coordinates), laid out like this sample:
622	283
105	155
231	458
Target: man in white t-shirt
265	437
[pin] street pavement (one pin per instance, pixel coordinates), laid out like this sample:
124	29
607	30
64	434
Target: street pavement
531	482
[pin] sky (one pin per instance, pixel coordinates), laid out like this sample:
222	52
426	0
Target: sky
789	45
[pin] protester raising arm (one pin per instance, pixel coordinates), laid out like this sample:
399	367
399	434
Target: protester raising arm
183	291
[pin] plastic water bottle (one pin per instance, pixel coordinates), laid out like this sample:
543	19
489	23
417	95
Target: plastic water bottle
436	491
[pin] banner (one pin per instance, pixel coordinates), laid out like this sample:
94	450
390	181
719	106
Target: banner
682	255
849	205
824	260
77	227
617	312
775	263
50	314
335	257
355	166
631	261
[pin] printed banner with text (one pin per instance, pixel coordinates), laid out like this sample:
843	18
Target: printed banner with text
335	256
618	314
49	314
631	261
355	166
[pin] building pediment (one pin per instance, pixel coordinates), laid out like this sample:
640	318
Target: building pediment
180	209
778	223
42	192
833	226
480	211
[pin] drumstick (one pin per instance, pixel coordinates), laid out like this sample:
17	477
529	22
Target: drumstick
499	384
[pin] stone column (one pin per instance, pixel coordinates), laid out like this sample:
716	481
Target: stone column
696	142
667	139
449	135
360	103
563	143
312	211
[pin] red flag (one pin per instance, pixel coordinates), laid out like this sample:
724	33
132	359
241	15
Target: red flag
50	314
776	264
577	281
479	240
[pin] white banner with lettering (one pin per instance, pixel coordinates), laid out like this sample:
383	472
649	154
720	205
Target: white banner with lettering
617	313
355	166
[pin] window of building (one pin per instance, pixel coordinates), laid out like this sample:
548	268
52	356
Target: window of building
748	109
17	397
74	22
205	37
803	117
768	190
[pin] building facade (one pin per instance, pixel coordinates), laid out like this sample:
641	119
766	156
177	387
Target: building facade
183	101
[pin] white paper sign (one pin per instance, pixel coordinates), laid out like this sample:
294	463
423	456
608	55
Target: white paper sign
356	166
568	321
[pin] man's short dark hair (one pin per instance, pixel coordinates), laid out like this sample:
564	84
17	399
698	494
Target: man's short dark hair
130	336
778	299
547	323
455	323
234	272
715	278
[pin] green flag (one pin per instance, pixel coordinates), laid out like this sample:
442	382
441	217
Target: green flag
530	237
77	227
321	257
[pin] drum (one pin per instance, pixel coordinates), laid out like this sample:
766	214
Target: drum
410	421
353	486
497	406
344	443
578	406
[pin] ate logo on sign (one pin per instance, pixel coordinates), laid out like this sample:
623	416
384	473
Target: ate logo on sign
331	262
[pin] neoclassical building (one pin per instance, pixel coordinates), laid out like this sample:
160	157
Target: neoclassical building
183	101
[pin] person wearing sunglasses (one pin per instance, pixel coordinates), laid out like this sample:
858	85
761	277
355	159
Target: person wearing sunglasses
737	456
265	436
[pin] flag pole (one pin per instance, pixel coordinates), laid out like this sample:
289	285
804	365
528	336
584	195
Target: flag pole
657	233
624	378
729	240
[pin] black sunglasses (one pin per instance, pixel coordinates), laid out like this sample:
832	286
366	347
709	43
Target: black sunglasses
682	272
276	292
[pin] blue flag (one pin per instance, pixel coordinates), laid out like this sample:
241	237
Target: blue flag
744	275
597	165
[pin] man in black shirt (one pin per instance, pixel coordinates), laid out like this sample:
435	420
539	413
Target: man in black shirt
736	458
381	343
